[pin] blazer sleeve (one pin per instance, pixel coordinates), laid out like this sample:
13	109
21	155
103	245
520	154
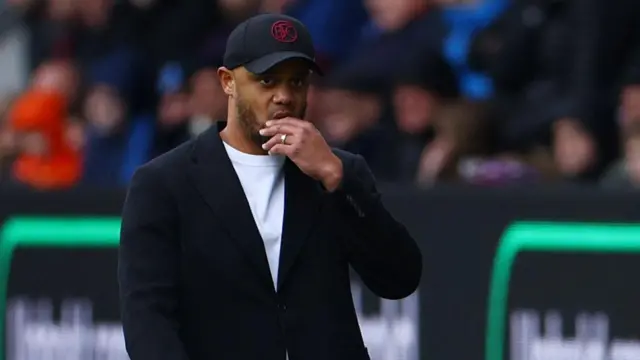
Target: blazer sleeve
380	248
148	268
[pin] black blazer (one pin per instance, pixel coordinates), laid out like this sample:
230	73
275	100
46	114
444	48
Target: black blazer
194	278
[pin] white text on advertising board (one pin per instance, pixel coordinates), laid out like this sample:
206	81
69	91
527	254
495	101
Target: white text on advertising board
536	337
33	334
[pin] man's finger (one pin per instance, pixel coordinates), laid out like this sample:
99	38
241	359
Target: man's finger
271	143
279	129
280	149
287	121
275	140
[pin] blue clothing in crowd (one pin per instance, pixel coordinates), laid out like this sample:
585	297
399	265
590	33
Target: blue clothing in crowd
463	22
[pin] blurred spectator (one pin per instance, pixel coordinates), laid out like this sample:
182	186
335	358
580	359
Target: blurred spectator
188	110
173	110
45	160
630	105
626	172
398	73
50	26
117	138
335	25
459	132
32	133
235	11
623	47
170	30
63	77
464	18
207	101
57	75
431	122
541	56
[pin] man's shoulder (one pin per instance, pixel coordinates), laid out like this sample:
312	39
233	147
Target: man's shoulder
170	161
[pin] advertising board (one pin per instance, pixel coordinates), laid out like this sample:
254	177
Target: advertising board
59	290
565	291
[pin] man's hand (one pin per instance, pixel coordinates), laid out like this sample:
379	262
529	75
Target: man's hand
306	147
574	148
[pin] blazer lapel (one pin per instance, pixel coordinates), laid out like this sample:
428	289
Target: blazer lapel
301	209
215	178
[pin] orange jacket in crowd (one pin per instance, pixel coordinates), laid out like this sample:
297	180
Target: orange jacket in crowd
60	166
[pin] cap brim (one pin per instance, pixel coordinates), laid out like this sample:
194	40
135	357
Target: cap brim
263	64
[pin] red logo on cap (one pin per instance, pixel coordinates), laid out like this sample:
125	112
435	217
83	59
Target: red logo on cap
284	31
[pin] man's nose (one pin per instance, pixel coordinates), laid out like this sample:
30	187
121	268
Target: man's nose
283	96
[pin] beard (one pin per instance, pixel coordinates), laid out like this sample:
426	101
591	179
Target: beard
250	124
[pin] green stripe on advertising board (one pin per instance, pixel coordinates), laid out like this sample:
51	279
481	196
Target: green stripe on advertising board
58	232
546	237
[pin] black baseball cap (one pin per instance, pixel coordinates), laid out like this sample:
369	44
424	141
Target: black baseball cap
266	40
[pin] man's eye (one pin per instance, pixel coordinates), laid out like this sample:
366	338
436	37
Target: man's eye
267	82
297	82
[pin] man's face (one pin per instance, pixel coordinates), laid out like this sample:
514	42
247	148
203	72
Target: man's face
281	92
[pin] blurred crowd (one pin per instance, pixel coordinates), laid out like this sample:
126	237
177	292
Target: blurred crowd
487	92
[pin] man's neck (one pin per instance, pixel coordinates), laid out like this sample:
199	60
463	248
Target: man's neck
236	138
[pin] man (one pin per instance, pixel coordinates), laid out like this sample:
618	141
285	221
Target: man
237	245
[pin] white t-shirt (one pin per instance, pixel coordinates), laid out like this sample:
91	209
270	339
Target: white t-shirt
262	179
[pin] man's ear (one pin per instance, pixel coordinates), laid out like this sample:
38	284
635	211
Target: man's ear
227	81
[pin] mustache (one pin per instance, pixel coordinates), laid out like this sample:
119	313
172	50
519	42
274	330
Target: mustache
281	114
284	113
